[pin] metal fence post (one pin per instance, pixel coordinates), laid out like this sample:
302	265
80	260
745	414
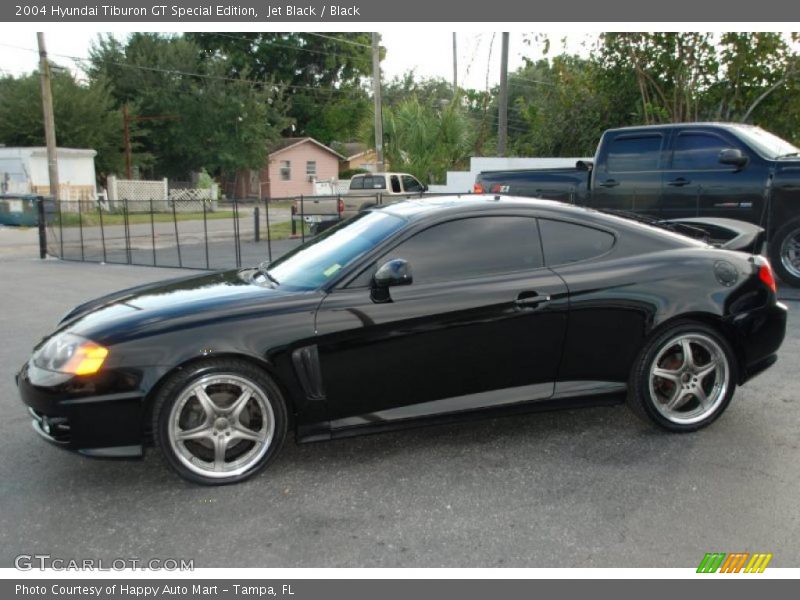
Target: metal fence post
80	226
126	225
236	241
177	238
60	228
153	231
205	232
302	218
269	233
256	224
102	231
42	228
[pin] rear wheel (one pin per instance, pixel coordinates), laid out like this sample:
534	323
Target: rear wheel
219	422
784	252
684	378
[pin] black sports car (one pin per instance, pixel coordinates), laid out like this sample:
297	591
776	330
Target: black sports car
422	310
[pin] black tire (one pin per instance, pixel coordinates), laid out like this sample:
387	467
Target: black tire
650	409
267	398
778	255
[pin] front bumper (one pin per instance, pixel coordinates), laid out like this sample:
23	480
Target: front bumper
84	414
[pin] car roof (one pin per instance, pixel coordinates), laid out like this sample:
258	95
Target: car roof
469	204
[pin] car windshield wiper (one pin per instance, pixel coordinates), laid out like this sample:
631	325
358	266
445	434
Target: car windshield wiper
788	155
264	270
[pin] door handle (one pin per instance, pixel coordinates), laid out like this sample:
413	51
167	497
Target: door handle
609	183
530	300
679	182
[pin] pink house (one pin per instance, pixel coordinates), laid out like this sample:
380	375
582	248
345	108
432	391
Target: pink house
292	167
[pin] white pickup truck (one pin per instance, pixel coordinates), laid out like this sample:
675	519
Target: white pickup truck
366	190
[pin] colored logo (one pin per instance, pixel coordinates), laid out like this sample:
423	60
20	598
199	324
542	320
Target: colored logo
736	562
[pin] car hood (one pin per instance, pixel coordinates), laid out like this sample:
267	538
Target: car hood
173	303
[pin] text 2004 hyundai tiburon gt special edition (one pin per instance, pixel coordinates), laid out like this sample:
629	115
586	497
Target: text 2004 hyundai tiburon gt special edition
422	310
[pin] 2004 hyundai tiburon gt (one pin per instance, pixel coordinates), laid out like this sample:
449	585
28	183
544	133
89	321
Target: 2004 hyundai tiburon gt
422	310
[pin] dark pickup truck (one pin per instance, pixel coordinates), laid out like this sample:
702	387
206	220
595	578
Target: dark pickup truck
676	171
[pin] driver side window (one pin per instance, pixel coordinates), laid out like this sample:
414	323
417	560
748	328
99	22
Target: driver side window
466	248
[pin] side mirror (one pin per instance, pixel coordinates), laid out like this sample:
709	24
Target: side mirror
424	187
733	157
392	273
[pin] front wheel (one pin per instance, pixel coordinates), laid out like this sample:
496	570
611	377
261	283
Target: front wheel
784	253
684	378
219	422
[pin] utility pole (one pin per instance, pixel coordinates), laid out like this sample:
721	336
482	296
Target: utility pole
49	119
502	120
455	65
376	94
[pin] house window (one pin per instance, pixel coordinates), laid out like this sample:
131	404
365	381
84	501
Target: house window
311	168
286	170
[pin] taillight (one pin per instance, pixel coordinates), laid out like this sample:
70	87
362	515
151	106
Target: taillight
478	188
340	207
766	275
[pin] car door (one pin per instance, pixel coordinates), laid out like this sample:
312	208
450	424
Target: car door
607	323
629	178
481	325
696	184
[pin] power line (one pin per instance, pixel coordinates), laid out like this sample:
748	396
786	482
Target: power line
337	39
83	59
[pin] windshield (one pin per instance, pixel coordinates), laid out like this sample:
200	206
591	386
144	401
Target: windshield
767	144
309	266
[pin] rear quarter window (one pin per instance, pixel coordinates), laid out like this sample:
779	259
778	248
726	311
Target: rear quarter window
564	243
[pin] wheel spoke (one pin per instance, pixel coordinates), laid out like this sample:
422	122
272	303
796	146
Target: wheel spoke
686	349
677	400
220	444
701	396
197	433
243	433
235	409
205	401
669	374
706	370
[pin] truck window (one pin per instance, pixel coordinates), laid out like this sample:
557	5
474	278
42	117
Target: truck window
566	243
411	184
698	152
374	182
396	184
632	153
357	183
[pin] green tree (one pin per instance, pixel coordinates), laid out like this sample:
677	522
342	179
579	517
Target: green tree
323	74
85	116
423	140
199	115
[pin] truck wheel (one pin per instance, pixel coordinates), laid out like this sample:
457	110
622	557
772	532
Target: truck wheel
784	252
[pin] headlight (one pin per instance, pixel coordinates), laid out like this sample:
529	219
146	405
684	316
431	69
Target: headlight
69	353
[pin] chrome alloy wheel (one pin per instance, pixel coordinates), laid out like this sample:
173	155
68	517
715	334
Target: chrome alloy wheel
689	378
221	425
790	253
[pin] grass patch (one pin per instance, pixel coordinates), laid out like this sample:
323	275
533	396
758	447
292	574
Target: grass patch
283	231
92	219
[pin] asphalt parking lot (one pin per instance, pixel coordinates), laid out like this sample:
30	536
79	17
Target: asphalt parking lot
589	487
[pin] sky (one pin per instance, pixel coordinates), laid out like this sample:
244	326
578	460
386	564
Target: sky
429	54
